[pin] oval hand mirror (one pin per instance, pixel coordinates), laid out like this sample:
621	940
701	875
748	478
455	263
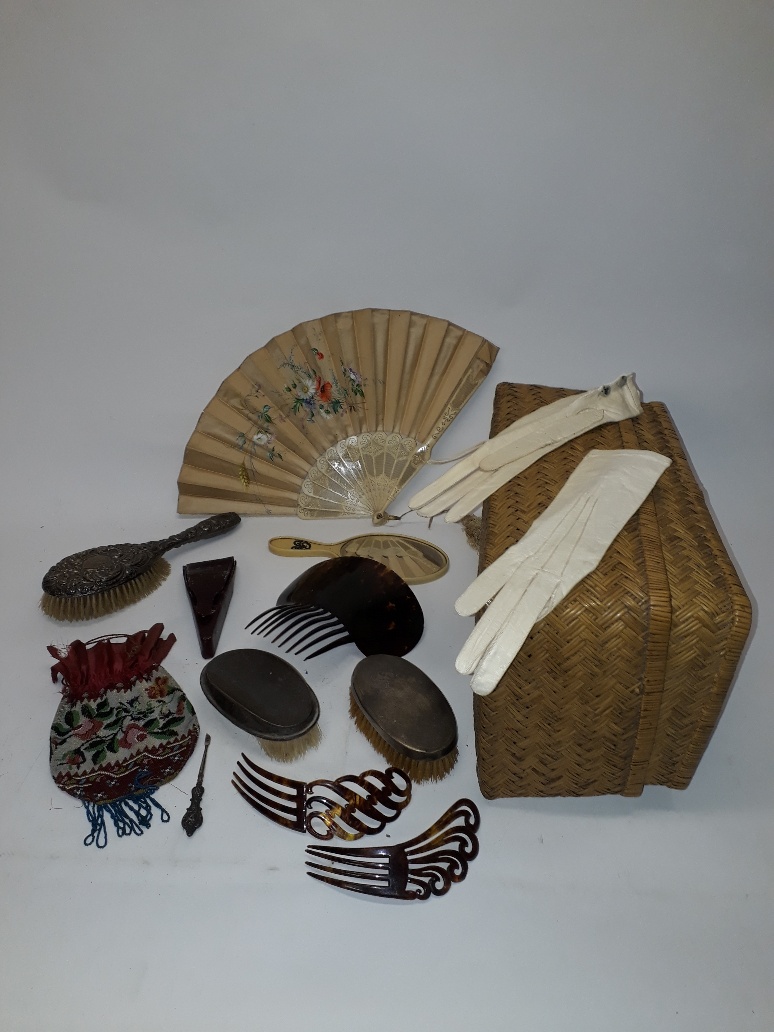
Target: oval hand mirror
416	561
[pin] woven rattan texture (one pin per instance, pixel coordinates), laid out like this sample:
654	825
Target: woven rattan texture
623	683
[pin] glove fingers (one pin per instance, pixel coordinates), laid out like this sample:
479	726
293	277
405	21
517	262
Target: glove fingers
497	617
461	489
490	478
533	549
507	643
480	487
527	595
445	482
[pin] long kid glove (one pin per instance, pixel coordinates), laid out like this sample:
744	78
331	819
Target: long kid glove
465	486
563	545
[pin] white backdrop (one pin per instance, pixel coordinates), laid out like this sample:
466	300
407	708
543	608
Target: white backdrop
589	186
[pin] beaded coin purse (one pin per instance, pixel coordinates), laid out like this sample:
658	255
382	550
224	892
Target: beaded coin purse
123	727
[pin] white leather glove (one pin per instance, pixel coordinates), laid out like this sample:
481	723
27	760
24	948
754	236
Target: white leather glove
563	545
465	486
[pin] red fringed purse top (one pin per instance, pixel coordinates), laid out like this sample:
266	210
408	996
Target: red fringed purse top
88	669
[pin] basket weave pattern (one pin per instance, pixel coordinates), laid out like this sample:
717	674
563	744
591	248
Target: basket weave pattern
623	683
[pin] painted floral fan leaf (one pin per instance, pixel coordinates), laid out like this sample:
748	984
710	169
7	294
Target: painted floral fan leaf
332	418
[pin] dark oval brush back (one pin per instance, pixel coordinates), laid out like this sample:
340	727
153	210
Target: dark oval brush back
261	693
378	609
405	707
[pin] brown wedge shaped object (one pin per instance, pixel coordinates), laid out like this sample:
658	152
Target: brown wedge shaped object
210	585
341	601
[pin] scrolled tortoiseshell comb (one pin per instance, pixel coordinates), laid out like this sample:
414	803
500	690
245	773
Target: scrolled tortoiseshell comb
347	808
426	865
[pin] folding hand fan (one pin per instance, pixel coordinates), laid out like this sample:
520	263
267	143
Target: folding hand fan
332	418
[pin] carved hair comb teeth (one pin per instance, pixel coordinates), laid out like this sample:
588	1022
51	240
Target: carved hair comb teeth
426	865
349	807
352	599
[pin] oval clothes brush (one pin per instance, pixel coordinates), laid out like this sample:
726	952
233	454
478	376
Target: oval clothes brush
405	716
265	696
104	579
413	559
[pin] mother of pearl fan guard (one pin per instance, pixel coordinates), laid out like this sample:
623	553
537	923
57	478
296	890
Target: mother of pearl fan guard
332	418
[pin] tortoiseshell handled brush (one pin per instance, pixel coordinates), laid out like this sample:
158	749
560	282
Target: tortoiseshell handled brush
104	579
405	716
340	601
426	865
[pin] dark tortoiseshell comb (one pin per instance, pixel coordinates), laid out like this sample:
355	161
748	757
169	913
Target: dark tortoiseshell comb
349	807
350	600
426	865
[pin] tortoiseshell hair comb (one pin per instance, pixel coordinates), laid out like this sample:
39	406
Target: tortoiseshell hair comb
350	600
347	808
426	865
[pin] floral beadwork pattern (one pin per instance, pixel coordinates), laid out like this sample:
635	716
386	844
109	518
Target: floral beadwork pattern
89	733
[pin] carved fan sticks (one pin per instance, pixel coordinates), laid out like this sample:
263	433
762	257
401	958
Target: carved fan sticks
332	418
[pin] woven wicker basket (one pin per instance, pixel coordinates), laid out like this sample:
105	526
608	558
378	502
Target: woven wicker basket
623	683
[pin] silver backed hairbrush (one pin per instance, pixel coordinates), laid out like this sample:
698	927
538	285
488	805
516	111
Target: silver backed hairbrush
106	578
